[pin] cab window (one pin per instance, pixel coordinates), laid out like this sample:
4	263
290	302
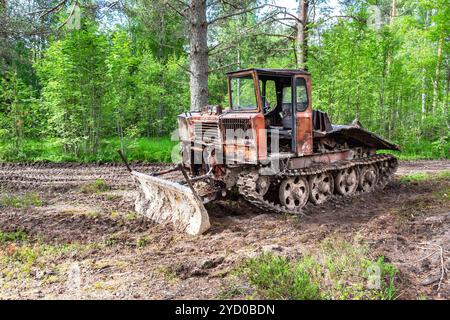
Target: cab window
243	96
268	95
302	94
287	95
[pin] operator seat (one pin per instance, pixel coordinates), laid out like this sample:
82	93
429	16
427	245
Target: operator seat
287	116
285	130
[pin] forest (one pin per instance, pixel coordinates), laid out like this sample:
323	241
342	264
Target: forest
81	78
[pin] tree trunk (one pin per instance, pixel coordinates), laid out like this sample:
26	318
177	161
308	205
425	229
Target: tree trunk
302	34
437	74
198	29
423	96
447	95
161	76
393	12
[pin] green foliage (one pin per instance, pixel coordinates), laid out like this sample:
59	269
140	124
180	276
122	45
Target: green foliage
17	109
341	270
140	149
20	201
34	150
422	176
80	94
439	149
142	242
388	78
97	186
414	177
388	273
351	273
92	92
161	94
51	150
71	73
152	149
443	175
15	236
276	277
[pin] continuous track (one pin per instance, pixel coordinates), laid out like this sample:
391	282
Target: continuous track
386	164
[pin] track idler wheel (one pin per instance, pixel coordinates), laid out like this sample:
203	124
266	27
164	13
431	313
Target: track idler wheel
321	187
368	178
262	185
294	193
346	181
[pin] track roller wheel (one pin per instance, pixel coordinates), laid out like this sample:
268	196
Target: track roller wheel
346	181
321	187
368	178
294	193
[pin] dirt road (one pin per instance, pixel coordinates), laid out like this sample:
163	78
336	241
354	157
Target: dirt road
78	243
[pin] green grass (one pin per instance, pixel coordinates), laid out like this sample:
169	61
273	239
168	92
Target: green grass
414	177
20	201
19	260
339	271
443	175
142	242
15	236
97	186
422	176
51	150
159	150
422	151
352	273
21	256
276	277
141	149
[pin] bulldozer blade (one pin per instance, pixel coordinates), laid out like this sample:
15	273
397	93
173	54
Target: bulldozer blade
163	201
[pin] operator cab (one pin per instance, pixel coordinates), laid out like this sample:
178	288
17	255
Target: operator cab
282	96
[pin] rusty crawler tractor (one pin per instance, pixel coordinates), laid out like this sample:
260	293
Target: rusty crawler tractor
270	146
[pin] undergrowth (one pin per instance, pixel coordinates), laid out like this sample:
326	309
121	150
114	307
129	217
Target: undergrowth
51	150
13	236
423	176
339	271
159	149
21	258
20	201
97	186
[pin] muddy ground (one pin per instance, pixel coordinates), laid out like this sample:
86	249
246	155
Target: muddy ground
82	243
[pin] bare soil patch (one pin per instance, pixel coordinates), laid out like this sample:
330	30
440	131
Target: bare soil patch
121	255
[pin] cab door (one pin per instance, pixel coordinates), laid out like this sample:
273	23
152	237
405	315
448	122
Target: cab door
302	137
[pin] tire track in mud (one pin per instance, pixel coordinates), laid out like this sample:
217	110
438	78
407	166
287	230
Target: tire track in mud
67	175
25	176
430	166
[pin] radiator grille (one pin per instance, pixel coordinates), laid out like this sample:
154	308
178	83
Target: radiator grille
207	132
237	129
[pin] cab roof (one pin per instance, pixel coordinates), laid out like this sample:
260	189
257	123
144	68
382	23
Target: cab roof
271	72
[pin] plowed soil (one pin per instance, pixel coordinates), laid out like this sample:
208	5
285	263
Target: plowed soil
112	253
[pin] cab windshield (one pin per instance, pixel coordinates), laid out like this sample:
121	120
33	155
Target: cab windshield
243	96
